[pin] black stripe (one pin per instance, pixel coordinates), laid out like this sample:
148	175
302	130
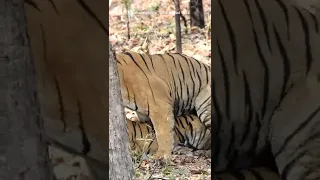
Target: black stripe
181	88
148	107
119	62
191	77
238	175
208	98
264	64
93	15
132	58
199	79
179	134
150	58
306	39
145	62
264	23
54	6
162	58
55	80
207	73
134	129
296	131
85	142
33	4
256	174
225	74
127	89
182	71
286	14
249	109
310	139
60	102
254	143
231	36
315	20
286	170
216	124
230	150
136	108
180	82
141	134
286	62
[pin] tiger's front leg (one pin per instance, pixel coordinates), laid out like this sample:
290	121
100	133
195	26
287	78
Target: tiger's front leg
295	134
163	122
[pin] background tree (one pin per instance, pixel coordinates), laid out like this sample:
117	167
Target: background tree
23	154
196	13
178	26
121	167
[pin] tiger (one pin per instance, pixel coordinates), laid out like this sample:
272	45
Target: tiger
164	86
265	86
69	41
188	131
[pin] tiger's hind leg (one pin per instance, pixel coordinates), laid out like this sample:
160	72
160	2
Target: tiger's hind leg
295	134
191	129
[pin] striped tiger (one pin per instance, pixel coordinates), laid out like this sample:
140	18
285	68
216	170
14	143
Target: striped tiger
266	84
188	130
69	41
164	86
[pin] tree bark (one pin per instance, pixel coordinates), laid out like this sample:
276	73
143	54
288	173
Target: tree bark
196	13
23	153
121	167
178	26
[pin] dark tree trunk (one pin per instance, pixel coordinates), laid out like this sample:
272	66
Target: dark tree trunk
121	167
196	13
23	153
178	26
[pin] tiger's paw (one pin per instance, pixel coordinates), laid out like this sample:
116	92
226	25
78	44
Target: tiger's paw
203	153
163	157
182	150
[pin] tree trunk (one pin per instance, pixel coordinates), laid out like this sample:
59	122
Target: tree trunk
178	26
196	13
23	154
121	167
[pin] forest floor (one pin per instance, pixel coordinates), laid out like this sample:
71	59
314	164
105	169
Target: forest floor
152	30
183	167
